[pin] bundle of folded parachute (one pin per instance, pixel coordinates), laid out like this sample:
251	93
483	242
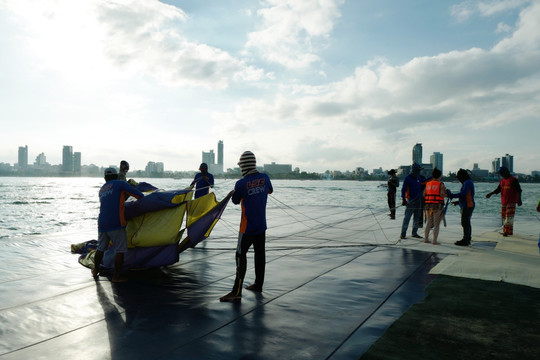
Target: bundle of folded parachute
155	228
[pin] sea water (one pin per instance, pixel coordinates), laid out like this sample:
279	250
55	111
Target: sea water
41	206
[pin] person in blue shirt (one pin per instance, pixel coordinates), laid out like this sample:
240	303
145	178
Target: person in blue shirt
203	181
466	203
112	222
411	198
252	193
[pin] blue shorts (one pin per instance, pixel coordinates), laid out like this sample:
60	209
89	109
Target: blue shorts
118	238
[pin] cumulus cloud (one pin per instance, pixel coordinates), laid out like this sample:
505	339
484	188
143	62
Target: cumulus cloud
465	10
111	38
503	28
440	88
291	31
476	89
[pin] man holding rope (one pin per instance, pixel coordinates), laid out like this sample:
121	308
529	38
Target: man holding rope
203	181
252	192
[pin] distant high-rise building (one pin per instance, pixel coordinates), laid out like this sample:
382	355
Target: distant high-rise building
417	154
23	156
77	163
436	161
508	162
67	158
41	160
209	157
220	152
153	168
495	165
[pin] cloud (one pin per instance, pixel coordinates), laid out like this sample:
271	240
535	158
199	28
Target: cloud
292	31
503	28
144	35
320	153
449	86
454	93
106	40
467	9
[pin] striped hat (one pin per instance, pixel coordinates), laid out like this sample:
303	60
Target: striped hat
247	163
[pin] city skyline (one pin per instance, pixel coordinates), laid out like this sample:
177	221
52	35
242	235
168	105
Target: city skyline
322	85
209	157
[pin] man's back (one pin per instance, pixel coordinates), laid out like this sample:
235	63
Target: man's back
252	191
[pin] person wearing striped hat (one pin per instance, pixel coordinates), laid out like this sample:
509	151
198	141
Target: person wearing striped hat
252	193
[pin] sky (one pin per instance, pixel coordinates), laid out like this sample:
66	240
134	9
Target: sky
318	84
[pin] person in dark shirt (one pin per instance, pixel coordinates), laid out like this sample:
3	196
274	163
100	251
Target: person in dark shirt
393	184
124	168
252	192
112	222
538	209
203	181
466	204
411	195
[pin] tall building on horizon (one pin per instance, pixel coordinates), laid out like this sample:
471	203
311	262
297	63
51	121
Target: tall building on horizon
220	153
23	156
77	162
436	161
41	160
210	159
67	159
495	165
508	162
417	154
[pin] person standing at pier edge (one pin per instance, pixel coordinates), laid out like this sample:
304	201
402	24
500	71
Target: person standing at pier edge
393	184
538	209
252	193
510	191
466	204
203	180
124	168
411	197
434	195
111	221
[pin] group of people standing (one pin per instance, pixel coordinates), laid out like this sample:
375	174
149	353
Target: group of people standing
427	196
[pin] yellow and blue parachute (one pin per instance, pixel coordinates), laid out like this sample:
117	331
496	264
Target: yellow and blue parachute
155	227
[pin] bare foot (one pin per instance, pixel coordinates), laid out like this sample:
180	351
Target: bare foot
436	243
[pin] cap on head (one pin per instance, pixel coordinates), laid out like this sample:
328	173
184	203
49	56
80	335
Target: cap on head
110	171
247	162
391	172
416	167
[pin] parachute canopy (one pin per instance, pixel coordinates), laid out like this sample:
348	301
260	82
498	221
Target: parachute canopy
155	227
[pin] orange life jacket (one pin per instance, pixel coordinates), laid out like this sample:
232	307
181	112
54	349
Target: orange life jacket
433	192
509	195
